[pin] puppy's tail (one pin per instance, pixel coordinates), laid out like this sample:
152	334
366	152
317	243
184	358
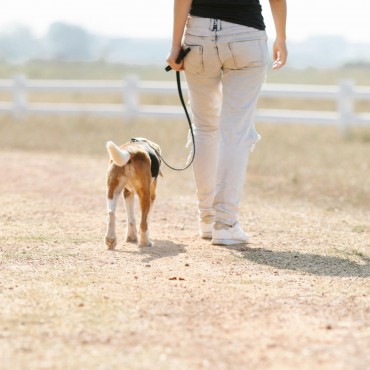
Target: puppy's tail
119	156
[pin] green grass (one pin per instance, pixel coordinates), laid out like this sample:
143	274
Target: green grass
39	69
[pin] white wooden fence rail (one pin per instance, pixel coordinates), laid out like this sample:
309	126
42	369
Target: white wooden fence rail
345	94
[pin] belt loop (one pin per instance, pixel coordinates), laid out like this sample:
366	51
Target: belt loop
219	25
215	24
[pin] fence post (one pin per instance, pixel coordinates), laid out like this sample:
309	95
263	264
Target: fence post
345	105
131	96
20	97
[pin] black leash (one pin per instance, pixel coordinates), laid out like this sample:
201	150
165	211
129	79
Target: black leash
181	56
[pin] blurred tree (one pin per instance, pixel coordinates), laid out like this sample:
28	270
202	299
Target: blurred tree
18	45
68	42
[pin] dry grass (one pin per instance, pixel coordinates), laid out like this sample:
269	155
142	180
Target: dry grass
296	297
315	163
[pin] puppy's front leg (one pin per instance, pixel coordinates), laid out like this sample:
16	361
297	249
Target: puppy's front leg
110	237
131	233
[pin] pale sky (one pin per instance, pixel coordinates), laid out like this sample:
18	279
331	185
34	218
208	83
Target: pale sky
153	18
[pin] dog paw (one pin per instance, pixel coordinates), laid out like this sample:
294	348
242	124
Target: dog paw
131	239
145	243
110	242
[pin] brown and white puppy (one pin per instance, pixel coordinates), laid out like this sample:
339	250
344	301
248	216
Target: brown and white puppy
133	169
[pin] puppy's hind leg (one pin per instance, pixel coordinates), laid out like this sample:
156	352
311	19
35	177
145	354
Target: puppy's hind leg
131	233
110	237
144	197
153	187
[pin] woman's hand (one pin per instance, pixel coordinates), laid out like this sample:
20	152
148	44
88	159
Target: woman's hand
181	12
279	13
171	59
280	54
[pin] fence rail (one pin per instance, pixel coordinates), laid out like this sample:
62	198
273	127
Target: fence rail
345	94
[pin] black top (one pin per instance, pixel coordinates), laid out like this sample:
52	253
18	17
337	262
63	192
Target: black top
244	12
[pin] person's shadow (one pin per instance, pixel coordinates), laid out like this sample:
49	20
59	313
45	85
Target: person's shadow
307	262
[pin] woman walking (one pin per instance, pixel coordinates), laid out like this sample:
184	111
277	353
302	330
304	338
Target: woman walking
224	71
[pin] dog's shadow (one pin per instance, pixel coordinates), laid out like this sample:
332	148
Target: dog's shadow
313	264
160	249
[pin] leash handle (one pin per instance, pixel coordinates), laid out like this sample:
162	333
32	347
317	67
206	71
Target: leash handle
183	53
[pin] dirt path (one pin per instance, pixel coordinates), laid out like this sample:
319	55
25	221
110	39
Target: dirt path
296	297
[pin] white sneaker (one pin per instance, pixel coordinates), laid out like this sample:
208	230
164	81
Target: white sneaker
230	236
205	230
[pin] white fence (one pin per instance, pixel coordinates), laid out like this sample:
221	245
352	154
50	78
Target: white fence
345	94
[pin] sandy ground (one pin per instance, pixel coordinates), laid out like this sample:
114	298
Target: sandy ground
296	297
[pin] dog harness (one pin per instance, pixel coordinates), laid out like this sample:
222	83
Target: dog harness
155	161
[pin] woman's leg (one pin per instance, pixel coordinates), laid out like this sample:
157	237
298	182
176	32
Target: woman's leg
205	100
241	88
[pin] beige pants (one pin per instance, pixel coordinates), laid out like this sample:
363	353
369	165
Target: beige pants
224	71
